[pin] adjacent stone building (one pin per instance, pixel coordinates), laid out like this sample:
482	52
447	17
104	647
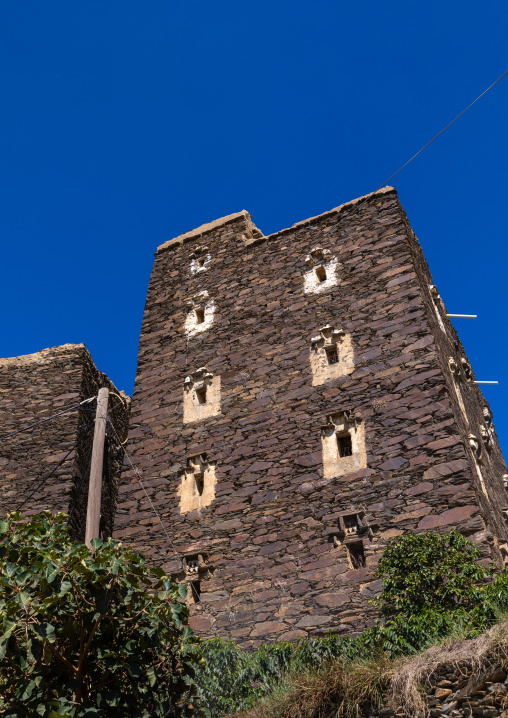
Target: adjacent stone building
301	399
46	467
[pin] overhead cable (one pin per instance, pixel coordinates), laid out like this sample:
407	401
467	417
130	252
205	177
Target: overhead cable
48	418
85	474
43	481
440	133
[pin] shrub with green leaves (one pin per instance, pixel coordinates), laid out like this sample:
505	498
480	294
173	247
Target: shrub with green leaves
430	570
433	585
88	633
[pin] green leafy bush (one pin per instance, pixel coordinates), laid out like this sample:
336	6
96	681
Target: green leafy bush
432	585
430	571
88	633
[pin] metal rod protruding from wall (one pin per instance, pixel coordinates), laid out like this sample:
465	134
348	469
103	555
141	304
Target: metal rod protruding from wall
486	382
93	513
463	316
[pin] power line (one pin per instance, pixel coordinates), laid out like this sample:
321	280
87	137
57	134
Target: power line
440	133
65	411
109	473
41	484
75	497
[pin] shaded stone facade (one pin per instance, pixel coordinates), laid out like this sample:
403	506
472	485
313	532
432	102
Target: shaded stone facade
34	387
287	548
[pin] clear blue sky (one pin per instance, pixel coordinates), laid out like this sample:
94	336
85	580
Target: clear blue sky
126	123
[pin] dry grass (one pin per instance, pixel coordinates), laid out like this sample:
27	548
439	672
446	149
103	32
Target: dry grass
339	690
474	658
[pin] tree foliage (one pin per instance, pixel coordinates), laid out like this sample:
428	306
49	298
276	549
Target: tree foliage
88	633
430	571
99	634
433	584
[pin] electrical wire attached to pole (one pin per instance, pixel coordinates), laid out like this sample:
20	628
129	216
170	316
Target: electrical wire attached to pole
443	130
48	418
48	476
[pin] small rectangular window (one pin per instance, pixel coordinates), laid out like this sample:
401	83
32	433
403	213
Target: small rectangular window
332	355
199	478
200	315
321	274
201	395
344	446
350	522
356	554
194	591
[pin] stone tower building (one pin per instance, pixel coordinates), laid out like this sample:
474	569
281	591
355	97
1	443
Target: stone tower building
301	399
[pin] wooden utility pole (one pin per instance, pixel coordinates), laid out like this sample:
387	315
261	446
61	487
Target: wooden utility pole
93	513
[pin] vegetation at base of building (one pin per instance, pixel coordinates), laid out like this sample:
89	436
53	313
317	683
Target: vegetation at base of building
89	633
98	634
433	587
404	686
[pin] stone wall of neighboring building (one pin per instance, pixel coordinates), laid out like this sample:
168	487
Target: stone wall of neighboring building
293	411
37	386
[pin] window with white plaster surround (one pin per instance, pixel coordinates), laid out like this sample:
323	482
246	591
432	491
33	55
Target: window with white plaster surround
197	489
322	274
487	430
343	444
457	381
331	355
438	305
200	260
351	534
476	451
201	395
201	314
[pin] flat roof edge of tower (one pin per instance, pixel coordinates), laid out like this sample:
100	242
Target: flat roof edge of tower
259	237
329	212
43	354
46	356
204	229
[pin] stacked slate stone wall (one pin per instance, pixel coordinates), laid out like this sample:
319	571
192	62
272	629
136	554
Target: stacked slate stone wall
35	387
269	549
458	692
